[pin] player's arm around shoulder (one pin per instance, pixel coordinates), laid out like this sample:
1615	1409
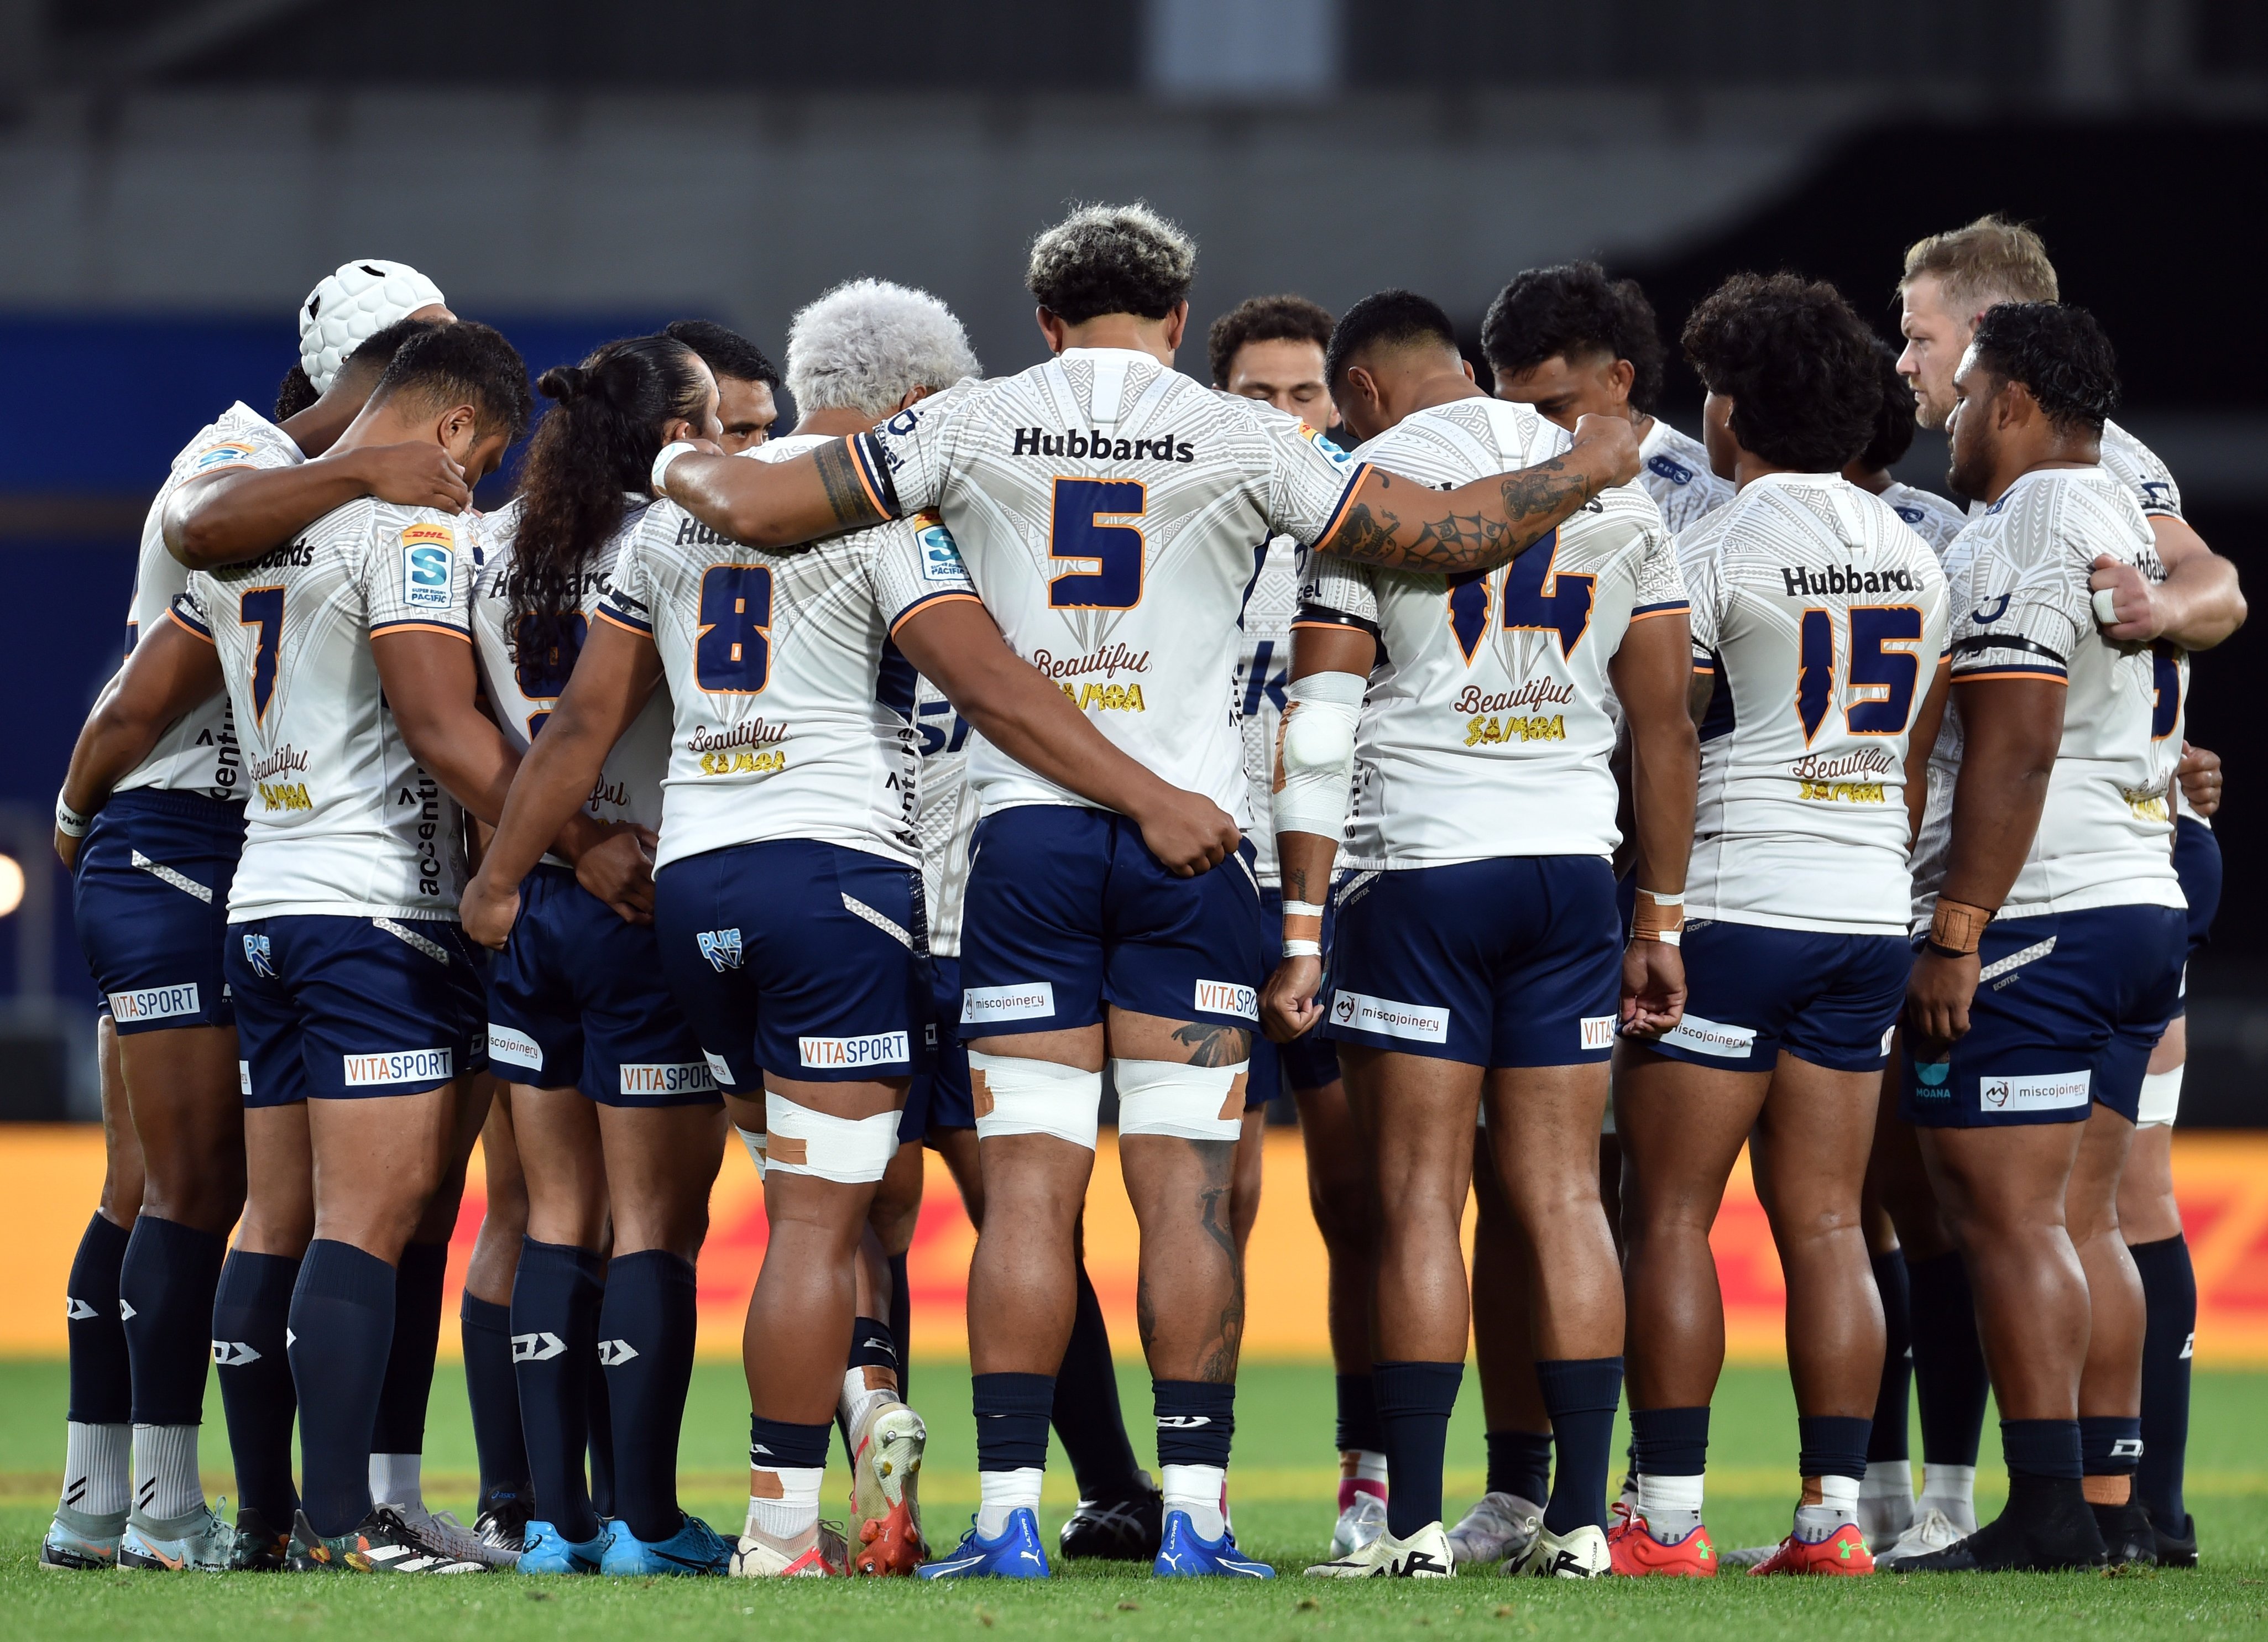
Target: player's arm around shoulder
173	669
241	509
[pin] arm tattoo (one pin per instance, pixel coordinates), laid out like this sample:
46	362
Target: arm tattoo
1295	883
1534	500
1214	1046
838	471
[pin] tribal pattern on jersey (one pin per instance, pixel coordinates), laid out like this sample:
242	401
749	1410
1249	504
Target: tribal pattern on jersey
948	813
525	686
2022	609
1822	619
1263	669
1674	471
1487	732
198	752
1927	514
1112	513
341	818
2137	467
792	709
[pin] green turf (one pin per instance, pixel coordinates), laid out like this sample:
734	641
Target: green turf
1281	1490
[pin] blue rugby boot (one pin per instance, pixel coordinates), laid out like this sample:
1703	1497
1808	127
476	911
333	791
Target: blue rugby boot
1017	1554
1184	1554
694	1549
546	1550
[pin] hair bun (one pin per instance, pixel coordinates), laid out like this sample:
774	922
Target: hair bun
563	382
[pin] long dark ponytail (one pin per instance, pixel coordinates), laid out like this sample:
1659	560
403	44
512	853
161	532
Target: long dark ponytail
598	441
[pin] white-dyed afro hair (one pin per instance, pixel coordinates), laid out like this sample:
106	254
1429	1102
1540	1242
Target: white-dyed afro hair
865	344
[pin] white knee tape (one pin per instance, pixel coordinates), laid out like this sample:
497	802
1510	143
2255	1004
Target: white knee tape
1016	1095
1159	1097
851	1150
753	1139
2162	1098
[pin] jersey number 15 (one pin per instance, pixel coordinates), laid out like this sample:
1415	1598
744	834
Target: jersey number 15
1883	669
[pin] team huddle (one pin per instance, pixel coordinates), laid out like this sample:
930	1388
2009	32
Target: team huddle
1550	804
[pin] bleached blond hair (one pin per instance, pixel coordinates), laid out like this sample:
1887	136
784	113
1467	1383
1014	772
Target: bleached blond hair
867	344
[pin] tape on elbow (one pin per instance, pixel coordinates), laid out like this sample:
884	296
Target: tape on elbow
1163	1097
852	1150
1015	1094
1315	753
753	1139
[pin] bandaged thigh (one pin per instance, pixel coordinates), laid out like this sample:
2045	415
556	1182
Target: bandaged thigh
1015	1094
799	1140
1158	1097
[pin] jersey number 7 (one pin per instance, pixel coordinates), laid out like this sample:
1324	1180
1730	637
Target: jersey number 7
1108	557
1883	669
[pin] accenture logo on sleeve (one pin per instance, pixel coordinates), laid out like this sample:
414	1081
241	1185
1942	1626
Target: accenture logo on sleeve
1805	583
2046	1092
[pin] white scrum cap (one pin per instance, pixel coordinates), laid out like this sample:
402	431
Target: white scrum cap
350	306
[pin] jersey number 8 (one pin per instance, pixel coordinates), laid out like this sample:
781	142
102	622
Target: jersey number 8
732	651
1883	671
1108	557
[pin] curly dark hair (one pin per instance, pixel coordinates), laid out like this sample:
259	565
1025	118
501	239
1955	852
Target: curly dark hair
1893	423
724	350
1574	311
1111	259
465	362
1264	320
1798	364
1395	317
598	444
2059	353
371	356
294	393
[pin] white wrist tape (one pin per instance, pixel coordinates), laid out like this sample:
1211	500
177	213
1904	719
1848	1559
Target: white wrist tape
2161	1098
1017	1095
1162	1097
753	1139
1303	909
1296	948
1660	900
1314	753
852	1150
669	454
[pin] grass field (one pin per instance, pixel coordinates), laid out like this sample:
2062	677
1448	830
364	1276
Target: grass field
1282	1489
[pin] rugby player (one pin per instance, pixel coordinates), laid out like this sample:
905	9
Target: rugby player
1480	958
1819	626
788	895
746	382
1948	281
1272	349
618	1125
1573	343
150	883
1136	623
2058	886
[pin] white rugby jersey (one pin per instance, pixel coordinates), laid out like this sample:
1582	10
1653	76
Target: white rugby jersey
948	813
1927	514
1263	669
341	819
1111	511
1824	618
524	687
1674	471
793	710
2137	467
198	752
1487	731
2021	610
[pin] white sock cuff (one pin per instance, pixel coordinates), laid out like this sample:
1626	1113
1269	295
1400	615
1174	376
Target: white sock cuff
850	1151
1842	1492
1015	1094
1657	1493
2162	1098
1158	1097
395	1480
98	1467
1001	1492
1948	1482
1369	1466
1888	1479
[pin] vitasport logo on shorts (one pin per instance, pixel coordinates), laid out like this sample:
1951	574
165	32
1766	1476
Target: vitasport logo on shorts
1360	1013
2048	1092
876	1049
154	1003
666	1078
1226	998
364	1072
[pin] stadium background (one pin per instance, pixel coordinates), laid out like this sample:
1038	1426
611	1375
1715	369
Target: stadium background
176	173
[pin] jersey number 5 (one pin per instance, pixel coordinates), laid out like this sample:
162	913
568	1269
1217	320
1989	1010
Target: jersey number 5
732	651
263	607
1883	669
1108	557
